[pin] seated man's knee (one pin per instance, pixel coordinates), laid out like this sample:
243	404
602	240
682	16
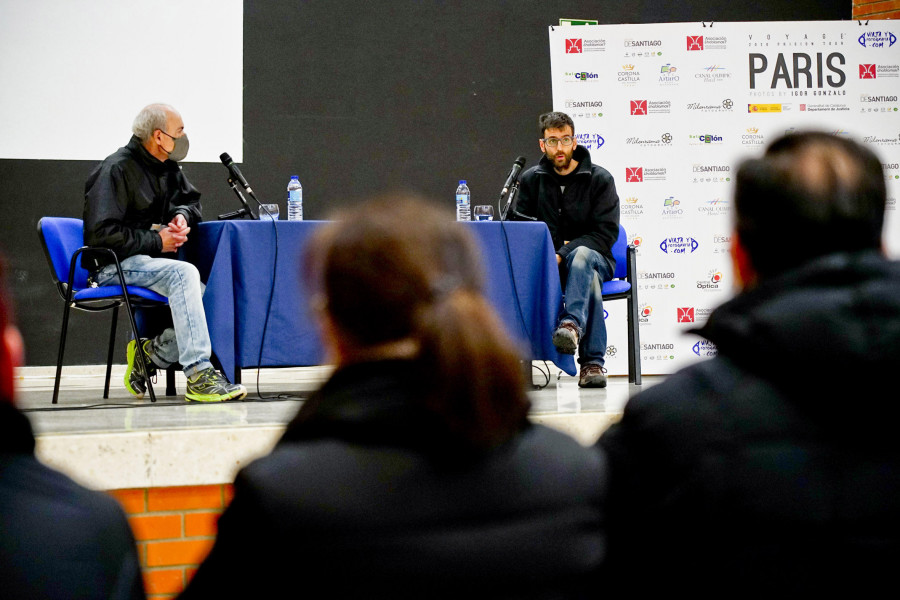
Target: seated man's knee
580	257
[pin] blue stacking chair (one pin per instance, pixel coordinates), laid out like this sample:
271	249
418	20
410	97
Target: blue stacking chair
63	242
623	286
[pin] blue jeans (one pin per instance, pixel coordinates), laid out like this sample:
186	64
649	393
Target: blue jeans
586	271
188	342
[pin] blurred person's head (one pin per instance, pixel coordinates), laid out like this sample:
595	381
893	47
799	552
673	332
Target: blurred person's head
397	278
811	194
11	348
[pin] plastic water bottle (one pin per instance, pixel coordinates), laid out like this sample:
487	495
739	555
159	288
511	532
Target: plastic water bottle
463	202
295	199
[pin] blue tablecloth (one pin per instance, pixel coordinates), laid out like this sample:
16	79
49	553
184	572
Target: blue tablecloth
235	259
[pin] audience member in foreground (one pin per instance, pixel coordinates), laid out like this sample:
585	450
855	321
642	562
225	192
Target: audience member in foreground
413	472
57	540
774	468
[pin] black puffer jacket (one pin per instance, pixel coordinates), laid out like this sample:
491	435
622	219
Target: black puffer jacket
775	467
128	193
587	214
365	499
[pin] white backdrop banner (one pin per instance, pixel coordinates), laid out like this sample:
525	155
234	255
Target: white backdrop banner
671	110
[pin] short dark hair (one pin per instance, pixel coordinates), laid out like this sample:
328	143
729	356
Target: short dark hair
554	120
811	194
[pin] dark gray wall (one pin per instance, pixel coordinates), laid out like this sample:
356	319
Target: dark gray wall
356	98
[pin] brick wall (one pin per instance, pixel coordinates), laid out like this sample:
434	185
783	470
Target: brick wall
876	9
174	528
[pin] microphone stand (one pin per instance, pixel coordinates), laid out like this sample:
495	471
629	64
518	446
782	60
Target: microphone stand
245	211
510	199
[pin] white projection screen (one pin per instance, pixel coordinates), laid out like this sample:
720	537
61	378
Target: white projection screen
74	73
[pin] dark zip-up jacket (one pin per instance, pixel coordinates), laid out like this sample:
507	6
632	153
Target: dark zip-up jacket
587	214
58	540
128	193
772	470
366	495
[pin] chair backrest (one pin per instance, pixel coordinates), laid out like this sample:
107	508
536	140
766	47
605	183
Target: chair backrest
61	237
619	252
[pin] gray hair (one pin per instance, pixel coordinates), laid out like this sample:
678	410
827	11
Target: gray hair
150	119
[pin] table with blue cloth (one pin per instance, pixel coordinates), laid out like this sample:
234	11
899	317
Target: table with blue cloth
236	260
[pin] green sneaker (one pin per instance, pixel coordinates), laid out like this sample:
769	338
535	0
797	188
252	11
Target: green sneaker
209	386
135	380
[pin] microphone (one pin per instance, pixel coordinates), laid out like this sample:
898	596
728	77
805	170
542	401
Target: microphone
235	172
513	175
511	187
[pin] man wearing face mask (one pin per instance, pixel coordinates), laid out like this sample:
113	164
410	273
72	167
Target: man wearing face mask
138	203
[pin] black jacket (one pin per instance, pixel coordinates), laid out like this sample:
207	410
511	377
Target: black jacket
775	467
128	193
365	499
587	214
57	539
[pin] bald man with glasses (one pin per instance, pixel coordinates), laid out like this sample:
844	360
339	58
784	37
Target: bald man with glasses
578	201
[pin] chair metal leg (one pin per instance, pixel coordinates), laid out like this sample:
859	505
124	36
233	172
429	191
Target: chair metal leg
62	348
634	342
109	352
170	381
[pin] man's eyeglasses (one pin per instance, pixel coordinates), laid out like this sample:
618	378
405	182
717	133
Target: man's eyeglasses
553	142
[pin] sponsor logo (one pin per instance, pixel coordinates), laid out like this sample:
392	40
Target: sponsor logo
752	137
642	43
591	141
629	75
634	174
704	349
805	71
584	103
661	142
637	241
631	207
661	352
645	312
877	39
667	75
876	71
725	106
656	281
679	245
865	98
763	108
705	139
882	140
712	282
710	173
574	46
714	208
686	314
672	208
639	174
698	43
650	107
581	76
713	74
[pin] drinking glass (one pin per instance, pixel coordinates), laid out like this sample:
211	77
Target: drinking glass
484	212
271	215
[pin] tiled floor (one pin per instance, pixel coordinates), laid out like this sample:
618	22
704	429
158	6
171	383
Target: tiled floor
275	395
